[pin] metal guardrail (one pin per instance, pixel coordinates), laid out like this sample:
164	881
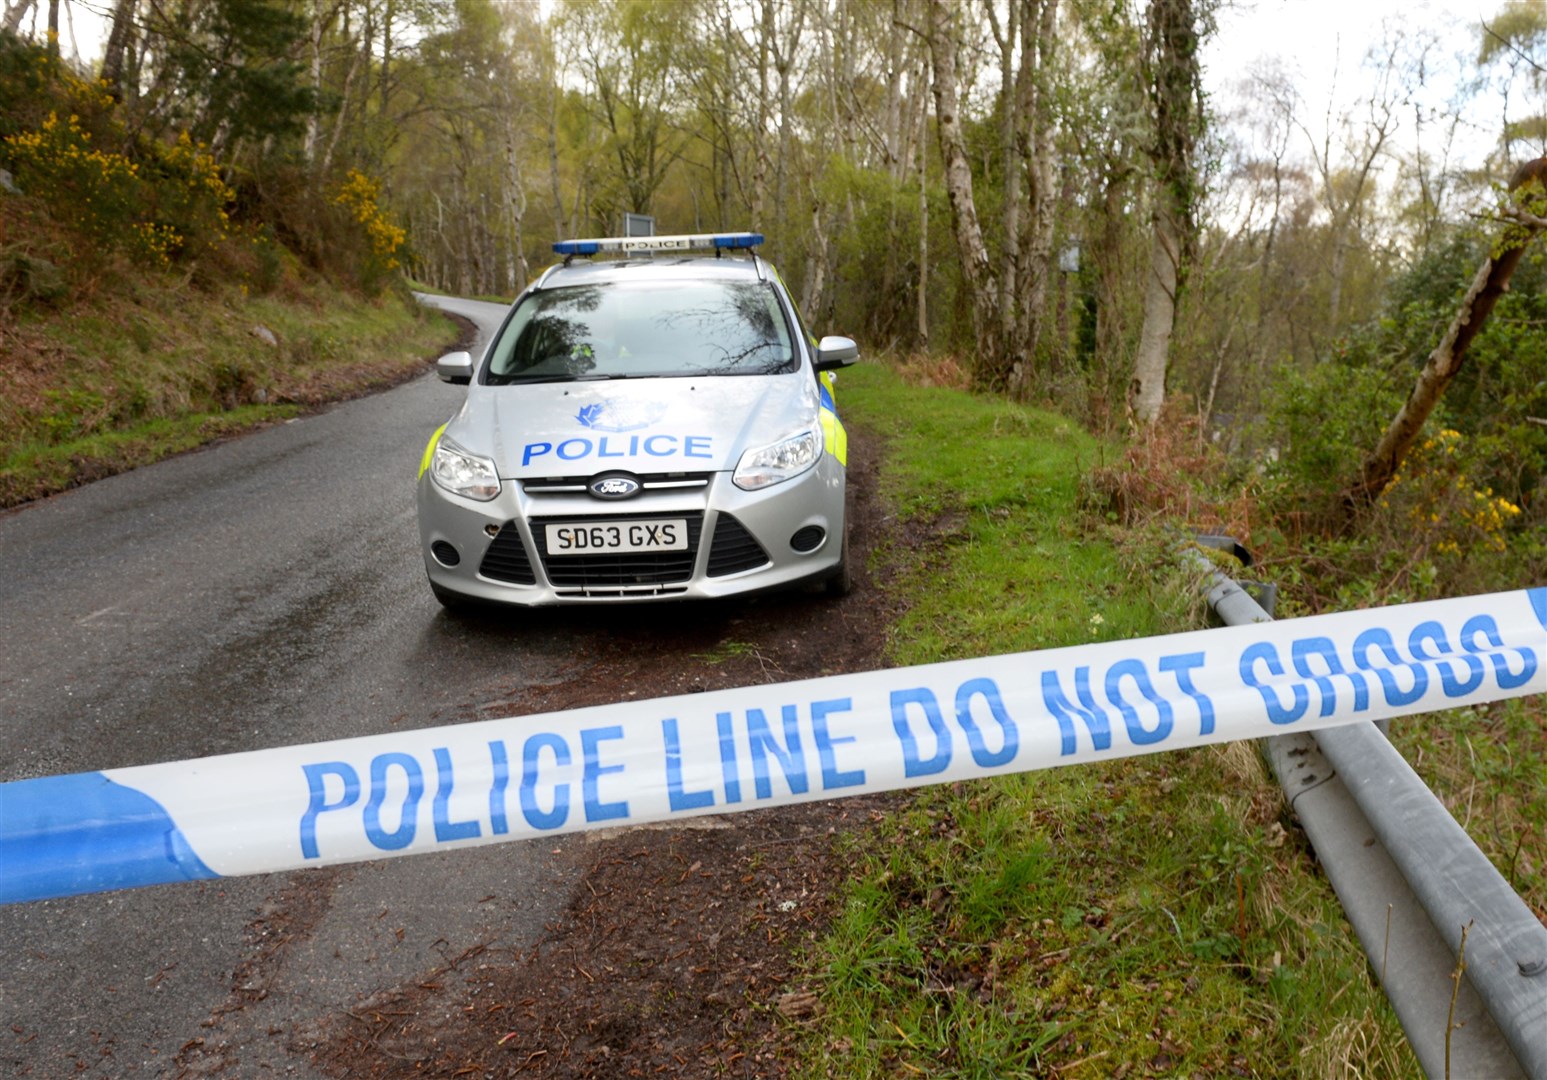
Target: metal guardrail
1461	957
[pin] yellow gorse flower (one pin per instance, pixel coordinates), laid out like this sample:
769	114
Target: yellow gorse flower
175	207
358	195
1443	506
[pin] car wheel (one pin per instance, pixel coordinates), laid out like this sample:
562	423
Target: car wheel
841	583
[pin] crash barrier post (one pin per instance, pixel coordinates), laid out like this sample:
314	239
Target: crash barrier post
1411	882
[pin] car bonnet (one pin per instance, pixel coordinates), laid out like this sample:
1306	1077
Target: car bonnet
699	424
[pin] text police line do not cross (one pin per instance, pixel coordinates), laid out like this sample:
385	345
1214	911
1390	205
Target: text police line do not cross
751	747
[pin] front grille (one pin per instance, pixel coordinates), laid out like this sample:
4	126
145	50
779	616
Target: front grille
506	558
623	569
733	549
563	485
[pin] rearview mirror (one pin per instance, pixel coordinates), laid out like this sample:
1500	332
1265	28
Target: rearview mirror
835	352
456	368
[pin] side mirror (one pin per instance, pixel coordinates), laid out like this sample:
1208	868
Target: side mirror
456	368
835	352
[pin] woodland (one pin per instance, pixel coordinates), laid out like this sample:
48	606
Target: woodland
1323	316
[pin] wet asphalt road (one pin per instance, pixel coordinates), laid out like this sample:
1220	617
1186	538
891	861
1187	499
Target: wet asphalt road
265	591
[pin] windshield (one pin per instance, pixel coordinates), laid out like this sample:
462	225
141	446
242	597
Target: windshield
626	330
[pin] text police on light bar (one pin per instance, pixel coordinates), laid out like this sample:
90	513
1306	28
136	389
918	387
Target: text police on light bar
653	422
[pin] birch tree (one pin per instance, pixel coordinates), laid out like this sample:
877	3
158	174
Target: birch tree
1173	78
1008	293
945	44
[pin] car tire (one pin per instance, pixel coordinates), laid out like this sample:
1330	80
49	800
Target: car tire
841	582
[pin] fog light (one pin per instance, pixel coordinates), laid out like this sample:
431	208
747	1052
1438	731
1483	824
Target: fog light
808	539
445	554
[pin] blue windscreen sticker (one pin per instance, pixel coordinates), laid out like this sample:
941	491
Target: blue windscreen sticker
64	835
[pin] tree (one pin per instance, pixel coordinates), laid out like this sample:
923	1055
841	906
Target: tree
119	41
1510	38
1173	77
944	46
1525	220
230	71
1008	298
624	51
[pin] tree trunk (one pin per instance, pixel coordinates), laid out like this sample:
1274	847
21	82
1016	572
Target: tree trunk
515	205
385	85
760	122
1015	89
343	105
1173	75
314	118
1147	391
988	371
923	284
814	295
15	14
1037	153
117	45
1489	283
560	228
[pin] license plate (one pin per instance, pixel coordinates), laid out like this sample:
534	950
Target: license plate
582	538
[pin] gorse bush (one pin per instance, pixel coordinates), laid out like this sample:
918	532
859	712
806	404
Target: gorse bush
169	206
35	82
112	192
92	192
1442	508
189	196
102	192
358	195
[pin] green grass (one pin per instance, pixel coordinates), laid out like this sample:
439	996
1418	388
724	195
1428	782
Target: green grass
1156	916
1013	566
1486	765
155	370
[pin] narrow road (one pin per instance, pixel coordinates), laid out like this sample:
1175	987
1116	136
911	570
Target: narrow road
264	591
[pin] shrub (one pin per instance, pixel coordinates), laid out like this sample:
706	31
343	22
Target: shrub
96	193
169	206
187	196
382	239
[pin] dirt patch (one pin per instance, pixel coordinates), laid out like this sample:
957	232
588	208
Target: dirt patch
675	955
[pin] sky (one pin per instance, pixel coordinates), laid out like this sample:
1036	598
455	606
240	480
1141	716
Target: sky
1319	44
1312	34
1322	43
1307	30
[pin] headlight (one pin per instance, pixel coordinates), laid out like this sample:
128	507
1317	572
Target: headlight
782	461
464	474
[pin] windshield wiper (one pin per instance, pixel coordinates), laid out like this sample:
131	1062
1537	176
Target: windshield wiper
590	376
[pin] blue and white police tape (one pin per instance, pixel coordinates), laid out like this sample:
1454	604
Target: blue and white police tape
752	747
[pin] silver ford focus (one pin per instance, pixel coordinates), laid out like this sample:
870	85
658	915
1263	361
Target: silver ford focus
650	422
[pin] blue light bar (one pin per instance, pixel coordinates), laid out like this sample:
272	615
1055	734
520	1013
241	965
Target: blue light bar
629	244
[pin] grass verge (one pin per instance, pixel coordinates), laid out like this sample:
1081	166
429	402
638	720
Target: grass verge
1152	917
154	370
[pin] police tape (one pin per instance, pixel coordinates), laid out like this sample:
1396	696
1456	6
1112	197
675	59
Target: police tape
752	747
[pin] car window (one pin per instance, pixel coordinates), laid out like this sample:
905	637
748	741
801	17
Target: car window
643	330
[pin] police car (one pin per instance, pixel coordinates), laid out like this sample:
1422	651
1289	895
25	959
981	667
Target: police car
652	421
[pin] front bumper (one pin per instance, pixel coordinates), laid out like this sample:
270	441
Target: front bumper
739	541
